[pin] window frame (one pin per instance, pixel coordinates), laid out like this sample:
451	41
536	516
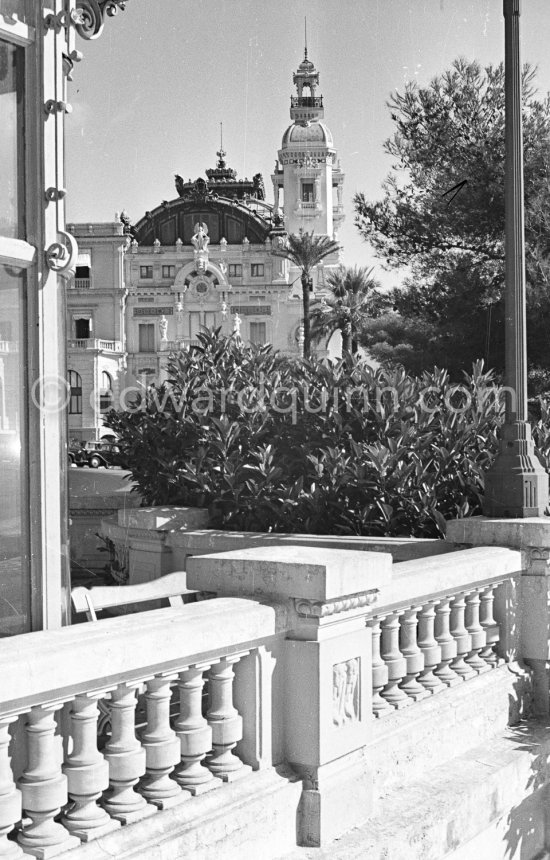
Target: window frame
147	277
257	270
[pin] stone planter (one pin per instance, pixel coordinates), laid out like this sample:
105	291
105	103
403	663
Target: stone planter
139	539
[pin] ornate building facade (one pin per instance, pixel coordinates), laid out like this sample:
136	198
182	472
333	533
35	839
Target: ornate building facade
201	260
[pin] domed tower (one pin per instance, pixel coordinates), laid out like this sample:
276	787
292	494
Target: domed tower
307	169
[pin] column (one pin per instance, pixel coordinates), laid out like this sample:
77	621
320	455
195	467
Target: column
87	774
225	722
461	637
394	660
194	733
43	789
413	655
162	747
477	633
431	650
10	796
126	759
446	643
379	673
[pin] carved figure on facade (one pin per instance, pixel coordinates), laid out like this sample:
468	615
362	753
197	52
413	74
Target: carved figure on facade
237	322
163	327
258	185
345	692
200	238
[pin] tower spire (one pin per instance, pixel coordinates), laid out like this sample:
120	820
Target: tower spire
221	151
305	37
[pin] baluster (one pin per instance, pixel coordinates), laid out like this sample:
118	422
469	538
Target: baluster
225	721
87	774
194	733
430	649
162	747
492	630
10	796
43	788
379	673
477	634
395	662
413	656
126	759
446	643
461	637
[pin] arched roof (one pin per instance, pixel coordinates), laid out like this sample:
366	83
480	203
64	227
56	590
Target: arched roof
315	133
226	219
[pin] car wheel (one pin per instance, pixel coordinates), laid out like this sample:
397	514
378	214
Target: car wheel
95	462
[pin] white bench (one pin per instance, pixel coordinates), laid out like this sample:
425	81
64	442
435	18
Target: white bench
171	587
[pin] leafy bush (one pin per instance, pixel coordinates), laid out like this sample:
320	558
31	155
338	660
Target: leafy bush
270	443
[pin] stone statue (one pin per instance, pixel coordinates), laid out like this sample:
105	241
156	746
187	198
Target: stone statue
163	327
200	239
237	322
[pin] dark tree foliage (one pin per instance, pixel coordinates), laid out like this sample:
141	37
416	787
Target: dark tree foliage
442	214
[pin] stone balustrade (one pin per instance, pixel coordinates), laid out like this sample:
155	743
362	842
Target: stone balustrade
434	626
53	681
285	653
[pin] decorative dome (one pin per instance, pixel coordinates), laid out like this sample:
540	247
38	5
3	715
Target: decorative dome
315	133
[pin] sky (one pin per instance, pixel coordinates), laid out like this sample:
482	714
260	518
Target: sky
150	94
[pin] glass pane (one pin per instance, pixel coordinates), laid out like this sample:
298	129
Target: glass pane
14	556
11	140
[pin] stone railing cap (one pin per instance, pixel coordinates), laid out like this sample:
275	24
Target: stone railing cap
164	519
290	571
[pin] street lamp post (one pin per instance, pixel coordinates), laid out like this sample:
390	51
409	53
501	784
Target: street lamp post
517	484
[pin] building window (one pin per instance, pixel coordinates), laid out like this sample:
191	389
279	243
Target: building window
106	392
235	270
147	337
258	333
82	328
307	192
75	393
168	272
146	273
257	270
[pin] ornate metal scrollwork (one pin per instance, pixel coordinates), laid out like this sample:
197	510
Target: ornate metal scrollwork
61	258
89	16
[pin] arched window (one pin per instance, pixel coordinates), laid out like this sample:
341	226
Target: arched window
106	392
75	400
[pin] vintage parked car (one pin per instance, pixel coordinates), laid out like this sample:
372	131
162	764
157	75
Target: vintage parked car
101	454
77	455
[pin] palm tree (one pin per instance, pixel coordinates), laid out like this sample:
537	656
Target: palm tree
351	301
306	251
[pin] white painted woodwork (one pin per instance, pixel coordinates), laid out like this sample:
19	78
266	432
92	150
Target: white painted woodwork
395	662
43	788
412	654
162	747
10	796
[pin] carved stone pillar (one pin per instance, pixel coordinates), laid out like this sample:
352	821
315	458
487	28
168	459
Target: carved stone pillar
412	654
87	774
224	720
394	660
430	648
379	673
492	630
162	747
43	789
10	796
461	637
194	733
446	643
126	759
477	633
